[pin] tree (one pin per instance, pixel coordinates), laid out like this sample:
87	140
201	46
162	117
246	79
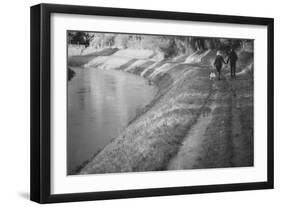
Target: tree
81	38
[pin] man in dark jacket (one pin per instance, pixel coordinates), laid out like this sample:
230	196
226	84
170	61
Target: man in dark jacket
232	58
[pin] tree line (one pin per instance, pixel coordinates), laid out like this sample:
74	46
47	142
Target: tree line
170	46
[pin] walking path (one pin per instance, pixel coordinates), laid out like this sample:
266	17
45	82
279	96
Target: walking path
216	139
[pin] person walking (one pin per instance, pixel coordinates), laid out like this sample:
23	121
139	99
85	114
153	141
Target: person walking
218	63
232	58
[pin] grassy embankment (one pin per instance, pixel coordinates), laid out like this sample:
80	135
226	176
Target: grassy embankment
80	60
188	106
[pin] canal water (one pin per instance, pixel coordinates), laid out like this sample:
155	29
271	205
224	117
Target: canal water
100	105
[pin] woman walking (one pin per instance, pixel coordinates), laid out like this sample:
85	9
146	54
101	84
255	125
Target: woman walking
218	63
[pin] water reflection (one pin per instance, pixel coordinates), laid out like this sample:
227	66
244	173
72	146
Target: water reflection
100	105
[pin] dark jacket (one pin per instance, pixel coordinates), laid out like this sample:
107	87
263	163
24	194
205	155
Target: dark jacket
218	61
232	57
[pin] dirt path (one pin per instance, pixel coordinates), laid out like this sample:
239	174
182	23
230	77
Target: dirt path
217	138
242	123
191	148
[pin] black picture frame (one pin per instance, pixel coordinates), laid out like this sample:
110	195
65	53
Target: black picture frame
41	102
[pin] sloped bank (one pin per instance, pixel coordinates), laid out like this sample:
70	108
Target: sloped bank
150	141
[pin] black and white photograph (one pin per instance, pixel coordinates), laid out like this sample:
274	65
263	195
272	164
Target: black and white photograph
152	102
131	103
